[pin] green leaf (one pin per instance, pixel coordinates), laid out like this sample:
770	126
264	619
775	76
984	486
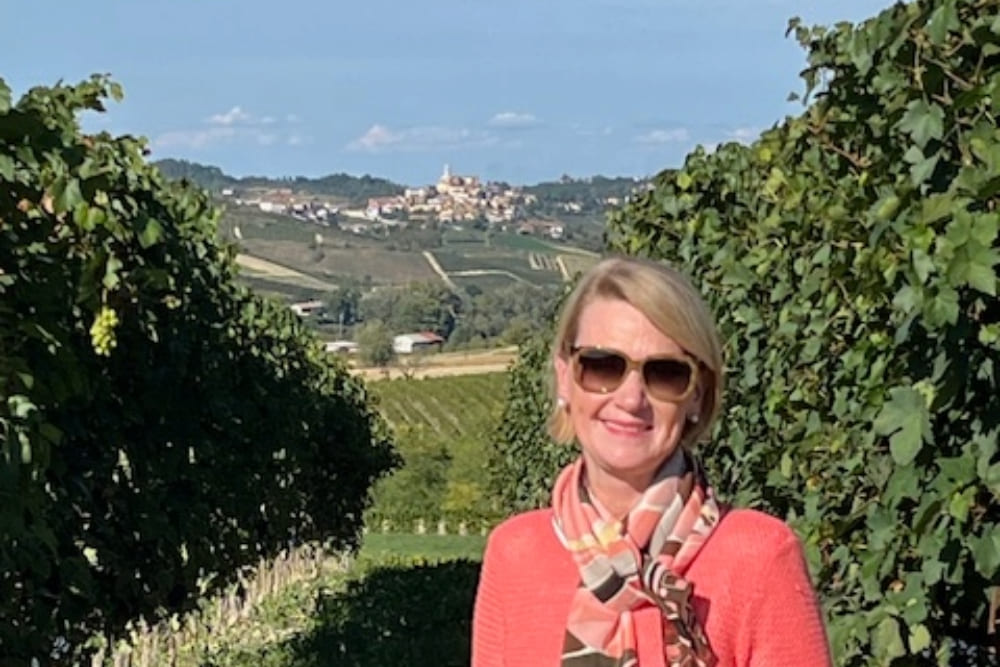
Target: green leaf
923	170
984	229
923	122
904	417
4	97
936	207
111	277
941	20
920	638
986	552
66	195
6	167
943	308
20	406
886	640
151	233
973	265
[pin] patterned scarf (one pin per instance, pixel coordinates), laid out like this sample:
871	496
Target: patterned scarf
625	565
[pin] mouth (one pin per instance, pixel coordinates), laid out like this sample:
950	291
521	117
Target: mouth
626	428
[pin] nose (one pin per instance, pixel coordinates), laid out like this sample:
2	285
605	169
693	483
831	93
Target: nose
631	394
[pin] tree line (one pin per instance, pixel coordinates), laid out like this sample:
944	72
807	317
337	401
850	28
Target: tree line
465	318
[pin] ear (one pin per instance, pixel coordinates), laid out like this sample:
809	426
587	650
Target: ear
696	400
564	377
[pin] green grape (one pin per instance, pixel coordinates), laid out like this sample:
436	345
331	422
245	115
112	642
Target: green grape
102	331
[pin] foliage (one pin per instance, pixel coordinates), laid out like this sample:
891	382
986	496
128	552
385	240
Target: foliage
375	344
442	428
591	194
522	461
850	255
420	306
161	427
357	189
416	490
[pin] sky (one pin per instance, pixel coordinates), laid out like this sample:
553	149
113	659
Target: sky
514	90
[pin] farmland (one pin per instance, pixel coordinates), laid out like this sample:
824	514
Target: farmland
451	407
319	258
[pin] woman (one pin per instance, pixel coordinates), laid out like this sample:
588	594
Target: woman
636	562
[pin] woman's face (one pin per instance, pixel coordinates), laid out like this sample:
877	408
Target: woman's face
624	434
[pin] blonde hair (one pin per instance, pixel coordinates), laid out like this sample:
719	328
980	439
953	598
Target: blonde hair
667	298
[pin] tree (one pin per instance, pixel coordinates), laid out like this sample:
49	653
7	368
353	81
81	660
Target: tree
375	343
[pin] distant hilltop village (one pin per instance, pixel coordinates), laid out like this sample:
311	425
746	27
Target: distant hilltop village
454	199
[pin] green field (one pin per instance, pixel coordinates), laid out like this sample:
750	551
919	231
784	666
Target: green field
517	264
450	407
484	283
378	258
379	547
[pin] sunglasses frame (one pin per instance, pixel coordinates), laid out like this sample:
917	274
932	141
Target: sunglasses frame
634	364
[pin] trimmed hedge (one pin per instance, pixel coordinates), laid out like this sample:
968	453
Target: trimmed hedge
161	426
851	257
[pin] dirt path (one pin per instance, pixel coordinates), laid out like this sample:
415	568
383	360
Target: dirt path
262	268
438	270
445	364
396	372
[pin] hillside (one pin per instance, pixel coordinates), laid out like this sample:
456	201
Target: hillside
354	189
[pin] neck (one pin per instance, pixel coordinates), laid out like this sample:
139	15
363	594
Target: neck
616	495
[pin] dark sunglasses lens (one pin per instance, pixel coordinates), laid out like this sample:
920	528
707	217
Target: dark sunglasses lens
600	371
667	378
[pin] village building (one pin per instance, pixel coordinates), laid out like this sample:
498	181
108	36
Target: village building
306	308
423	341
341	347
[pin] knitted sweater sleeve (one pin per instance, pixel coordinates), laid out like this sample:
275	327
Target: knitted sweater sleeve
784	624
488	615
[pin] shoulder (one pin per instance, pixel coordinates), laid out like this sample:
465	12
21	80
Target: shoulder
752	534
523	535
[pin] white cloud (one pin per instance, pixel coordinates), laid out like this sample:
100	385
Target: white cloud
234	126
513	119
380	138
234	116
744	135
194	138
658	137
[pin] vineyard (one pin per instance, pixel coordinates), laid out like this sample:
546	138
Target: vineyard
442	428
450	407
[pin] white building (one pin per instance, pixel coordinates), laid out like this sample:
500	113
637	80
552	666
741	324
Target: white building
341	346
417	342
305	308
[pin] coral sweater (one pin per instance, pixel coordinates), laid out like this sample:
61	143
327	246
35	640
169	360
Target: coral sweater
751	592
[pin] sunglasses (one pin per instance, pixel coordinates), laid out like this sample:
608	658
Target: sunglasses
602	370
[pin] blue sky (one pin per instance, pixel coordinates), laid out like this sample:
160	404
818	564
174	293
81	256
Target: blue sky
516	90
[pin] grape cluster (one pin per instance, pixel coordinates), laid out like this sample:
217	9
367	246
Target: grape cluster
102	332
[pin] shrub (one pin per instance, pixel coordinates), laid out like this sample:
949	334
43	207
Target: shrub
161	426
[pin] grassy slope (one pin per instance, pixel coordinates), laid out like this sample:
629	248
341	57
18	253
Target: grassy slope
375	614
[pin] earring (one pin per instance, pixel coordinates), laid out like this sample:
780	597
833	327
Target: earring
561	403
693	417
